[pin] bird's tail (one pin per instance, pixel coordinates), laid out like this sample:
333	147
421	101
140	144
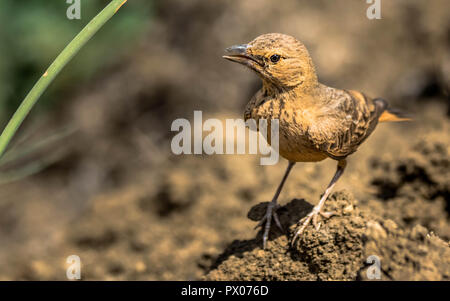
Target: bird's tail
393	115
390	114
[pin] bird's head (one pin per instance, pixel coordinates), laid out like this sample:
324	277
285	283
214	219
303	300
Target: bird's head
280	60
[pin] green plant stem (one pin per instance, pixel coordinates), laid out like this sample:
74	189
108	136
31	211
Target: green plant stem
63	58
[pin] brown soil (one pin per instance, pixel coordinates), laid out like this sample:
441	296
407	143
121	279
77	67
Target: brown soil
178	227
132	210
338	251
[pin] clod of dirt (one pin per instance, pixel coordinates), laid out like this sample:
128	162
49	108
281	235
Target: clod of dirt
415	188
339	250
176	193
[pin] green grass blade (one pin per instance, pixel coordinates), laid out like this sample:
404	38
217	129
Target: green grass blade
25	150
63	58
28	170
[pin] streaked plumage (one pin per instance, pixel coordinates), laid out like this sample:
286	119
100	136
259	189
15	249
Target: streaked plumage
315	121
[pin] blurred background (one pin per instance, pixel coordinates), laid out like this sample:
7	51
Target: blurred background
105	185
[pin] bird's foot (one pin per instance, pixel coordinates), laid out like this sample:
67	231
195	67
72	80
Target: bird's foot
314	217
267	219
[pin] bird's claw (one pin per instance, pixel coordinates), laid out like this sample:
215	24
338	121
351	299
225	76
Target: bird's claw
314	217
267	219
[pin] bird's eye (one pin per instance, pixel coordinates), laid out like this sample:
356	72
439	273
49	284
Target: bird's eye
275	58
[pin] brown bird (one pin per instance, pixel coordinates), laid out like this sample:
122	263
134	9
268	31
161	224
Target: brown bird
315	121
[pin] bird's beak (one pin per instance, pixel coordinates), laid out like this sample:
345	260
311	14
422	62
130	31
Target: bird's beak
239	54
237	50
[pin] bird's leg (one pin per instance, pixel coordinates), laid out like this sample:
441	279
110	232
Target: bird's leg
271	208
318	209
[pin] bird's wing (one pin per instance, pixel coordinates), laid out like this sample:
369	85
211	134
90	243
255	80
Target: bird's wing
353	117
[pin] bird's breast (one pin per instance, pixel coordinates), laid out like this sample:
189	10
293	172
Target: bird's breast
294	123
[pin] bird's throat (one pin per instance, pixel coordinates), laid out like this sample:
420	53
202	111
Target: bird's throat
271	89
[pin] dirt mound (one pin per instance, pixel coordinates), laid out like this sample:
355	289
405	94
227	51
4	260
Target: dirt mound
415	189
338	251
